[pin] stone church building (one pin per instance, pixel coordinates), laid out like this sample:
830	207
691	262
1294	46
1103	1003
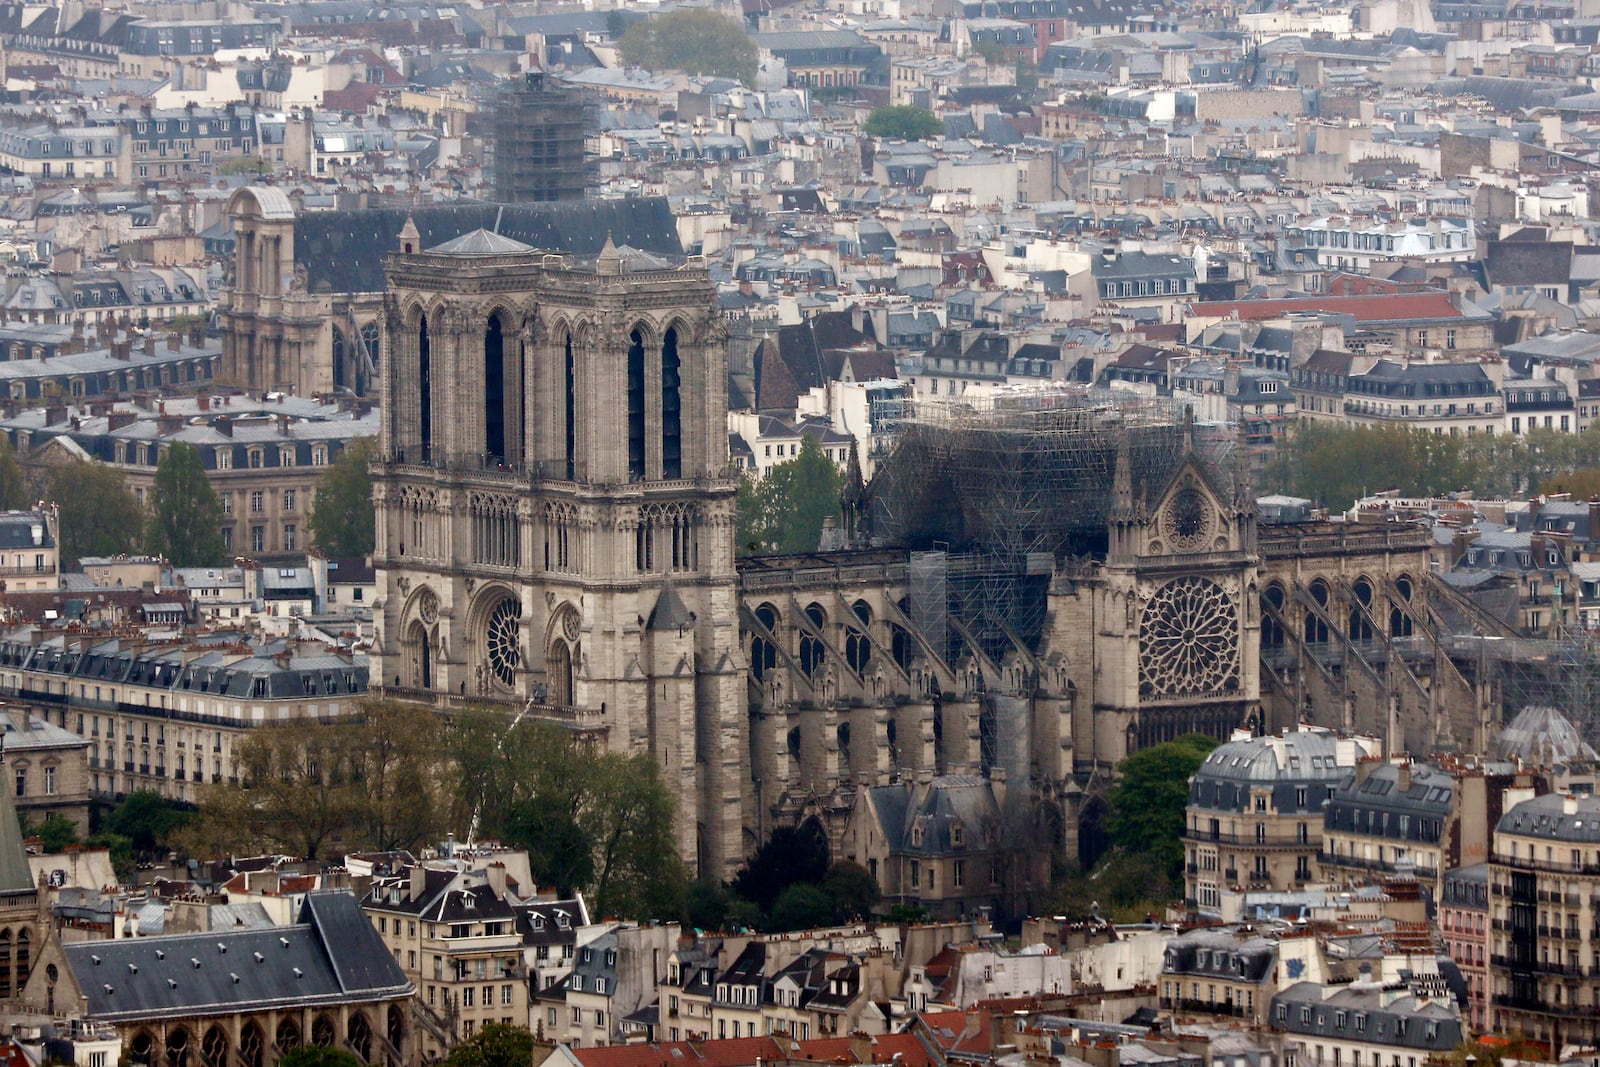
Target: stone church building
556	536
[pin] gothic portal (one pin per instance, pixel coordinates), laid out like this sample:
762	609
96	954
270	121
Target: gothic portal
555	514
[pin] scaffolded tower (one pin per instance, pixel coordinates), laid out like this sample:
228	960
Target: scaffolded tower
538	142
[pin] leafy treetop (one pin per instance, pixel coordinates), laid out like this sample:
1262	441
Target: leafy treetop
903	122
695	40
185	512
342	518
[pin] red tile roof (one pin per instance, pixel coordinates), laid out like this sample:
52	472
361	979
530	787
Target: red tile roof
885	1048
1375	308
730	1052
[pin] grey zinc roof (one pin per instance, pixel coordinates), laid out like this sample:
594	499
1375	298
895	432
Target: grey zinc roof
1298	756
1555	817
480	242
332	955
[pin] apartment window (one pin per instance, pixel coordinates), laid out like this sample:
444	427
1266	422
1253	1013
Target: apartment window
505	994
258	538
22	778
289	537
468	997
257	502
288	500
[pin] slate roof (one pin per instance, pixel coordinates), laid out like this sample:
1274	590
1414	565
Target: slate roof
332	955
16	530
1548	818
1405	1022
343	250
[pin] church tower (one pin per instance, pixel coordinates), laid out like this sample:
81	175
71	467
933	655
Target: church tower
555	513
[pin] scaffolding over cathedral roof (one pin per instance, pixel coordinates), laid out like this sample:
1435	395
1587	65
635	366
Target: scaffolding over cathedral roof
1020	472
990	489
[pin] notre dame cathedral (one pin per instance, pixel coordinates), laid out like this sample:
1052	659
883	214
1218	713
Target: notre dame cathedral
556	536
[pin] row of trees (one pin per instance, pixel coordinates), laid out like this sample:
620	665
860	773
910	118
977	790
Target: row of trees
600	822
183	520
394	777
1335	465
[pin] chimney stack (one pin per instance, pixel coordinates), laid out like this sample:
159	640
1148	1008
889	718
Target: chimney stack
223	425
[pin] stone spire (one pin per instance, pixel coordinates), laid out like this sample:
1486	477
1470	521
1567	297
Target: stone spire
610	261
1122	506
410	239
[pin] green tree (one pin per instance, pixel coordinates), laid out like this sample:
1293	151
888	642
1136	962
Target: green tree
342	517
14	493
711	906
372	781
803	906
395	758
695	40
495	1045
298	790
185	512
1146	805
792	855
902	122
318	1056
98	515
119	849
785	511
147	820
1123	886
852	891
55	833
601	824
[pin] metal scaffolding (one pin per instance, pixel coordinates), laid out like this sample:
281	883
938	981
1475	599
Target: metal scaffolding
538	142
1005	482
1561	671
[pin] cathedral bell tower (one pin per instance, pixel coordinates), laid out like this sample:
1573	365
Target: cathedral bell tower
555	512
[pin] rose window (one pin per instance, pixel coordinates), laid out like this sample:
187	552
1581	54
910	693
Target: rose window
1187	520
503	639
1189	641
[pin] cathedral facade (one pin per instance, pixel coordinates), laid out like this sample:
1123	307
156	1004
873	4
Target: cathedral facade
555	510
556	537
